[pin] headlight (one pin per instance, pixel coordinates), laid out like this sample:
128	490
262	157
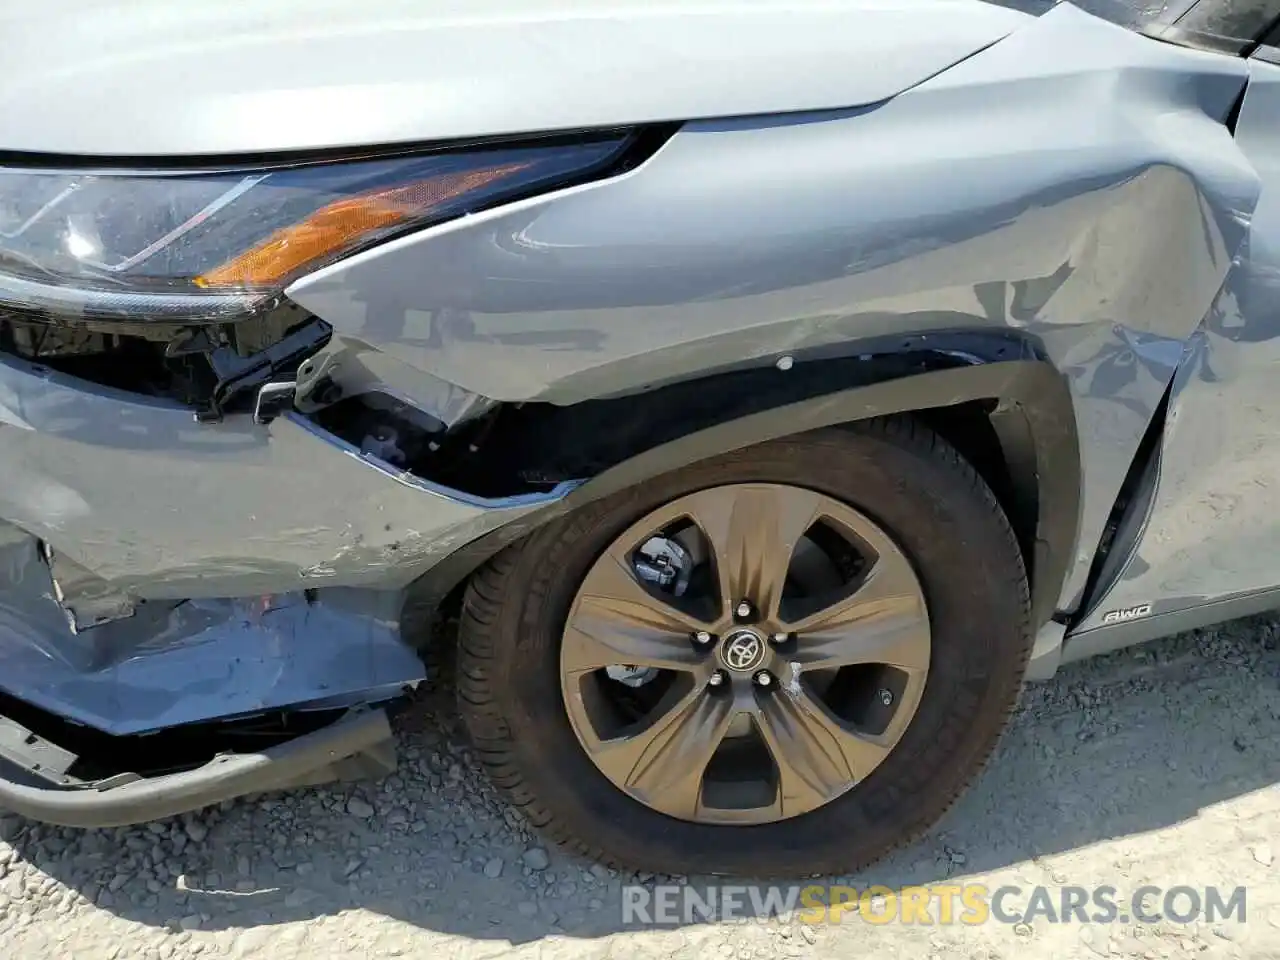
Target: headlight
220	243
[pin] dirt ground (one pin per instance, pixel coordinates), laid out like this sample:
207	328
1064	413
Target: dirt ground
1157	765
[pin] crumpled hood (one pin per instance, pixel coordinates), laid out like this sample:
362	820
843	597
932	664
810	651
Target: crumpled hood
158	77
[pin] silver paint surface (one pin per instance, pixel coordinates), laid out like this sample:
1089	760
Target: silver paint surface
1213	527
140	494
1074	181
180	662
153	77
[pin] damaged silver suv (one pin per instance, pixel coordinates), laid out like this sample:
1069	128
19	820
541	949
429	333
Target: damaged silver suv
755	393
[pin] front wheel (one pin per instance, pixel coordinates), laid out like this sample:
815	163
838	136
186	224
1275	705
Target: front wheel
788	660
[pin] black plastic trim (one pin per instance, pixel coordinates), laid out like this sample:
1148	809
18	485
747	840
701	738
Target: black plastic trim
1129	516
126	800
1030	389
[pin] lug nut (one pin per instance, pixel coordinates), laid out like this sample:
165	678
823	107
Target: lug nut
743	610
763	679
780	638
886	697
702	638
717	679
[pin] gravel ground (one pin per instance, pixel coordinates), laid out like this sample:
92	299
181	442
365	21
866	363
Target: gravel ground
1157	765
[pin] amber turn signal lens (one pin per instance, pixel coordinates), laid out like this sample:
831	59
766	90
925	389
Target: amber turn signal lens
343	224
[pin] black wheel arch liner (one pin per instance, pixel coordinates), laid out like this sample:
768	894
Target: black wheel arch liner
1028	403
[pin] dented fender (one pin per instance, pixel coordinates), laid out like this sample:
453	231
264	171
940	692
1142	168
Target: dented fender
1074	182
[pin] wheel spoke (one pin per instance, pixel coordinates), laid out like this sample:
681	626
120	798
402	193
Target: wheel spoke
883	621
817	757
617	621
750	532
753	530
665	763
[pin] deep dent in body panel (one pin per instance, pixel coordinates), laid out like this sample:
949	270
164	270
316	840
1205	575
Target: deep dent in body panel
675	269
270	608
181	662
1101	225
1209	534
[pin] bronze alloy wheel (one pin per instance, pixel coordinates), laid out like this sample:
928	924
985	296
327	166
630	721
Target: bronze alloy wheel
785	660
745	654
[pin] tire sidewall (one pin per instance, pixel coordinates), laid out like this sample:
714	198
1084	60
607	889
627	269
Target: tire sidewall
975	588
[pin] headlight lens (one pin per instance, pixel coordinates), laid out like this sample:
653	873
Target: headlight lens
216	244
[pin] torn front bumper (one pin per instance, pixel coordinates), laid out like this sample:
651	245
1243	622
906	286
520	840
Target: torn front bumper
178	662
158	572
340	750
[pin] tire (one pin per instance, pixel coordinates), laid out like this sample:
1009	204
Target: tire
945	520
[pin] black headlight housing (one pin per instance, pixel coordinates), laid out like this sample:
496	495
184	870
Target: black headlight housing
222	242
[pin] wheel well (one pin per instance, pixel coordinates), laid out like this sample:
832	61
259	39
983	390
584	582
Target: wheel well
517	449
1002	455
1023	444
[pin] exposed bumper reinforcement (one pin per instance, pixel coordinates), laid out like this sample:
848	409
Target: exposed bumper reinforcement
299	761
